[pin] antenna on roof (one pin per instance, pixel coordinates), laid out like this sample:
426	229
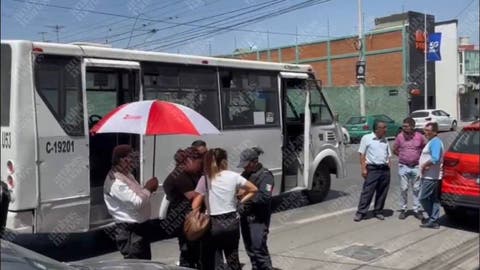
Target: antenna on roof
56	28
43	35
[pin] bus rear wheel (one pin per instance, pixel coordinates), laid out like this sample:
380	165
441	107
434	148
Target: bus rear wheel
320	185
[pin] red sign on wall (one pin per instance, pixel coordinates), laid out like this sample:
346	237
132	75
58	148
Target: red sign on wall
420	40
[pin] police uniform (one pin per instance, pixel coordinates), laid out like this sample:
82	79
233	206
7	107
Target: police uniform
255	218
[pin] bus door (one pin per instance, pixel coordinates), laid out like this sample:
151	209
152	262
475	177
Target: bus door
296	123
62	146
109	84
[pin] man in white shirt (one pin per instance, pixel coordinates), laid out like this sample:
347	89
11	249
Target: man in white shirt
375	156
129	204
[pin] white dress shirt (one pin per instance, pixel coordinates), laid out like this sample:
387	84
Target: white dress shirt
376	150
123	203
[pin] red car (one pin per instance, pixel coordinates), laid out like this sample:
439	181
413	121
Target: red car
461	172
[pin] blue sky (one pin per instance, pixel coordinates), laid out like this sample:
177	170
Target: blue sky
158	24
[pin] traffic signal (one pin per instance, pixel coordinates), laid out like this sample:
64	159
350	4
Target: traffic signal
360	70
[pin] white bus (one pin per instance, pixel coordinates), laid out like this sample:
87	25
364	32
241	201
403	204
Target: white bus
52	94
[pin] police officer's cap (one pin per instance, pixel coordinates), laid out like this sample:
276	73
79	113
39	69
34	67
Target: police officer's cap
247	155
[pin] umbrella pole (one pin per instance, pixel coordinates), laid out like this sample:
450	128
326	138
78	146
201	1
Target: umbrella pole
154	151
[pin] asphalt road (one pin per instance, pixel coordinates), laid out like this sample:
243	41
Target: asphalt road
322	235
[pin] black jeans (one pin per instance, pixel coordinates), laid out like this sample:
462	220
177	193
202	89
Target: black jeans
222	240
378	181
189	252
132	240
254	234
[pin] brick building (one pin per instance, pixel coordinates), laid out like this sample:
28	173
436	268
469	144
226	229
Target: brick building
394	66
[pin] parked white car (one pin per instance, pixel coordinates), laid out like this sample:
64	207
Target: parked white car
444	120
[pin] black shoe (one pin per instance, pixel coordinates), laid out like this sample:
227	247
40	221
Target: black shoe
424	220
358	217
430	225
403	214
418	215
380	216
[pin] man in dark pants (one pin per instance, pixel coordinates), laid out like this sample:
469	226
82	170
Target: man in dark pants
255	214
375	164
5	198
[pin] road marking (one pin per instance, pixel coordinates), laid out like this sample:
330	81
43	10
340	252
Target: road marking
315	218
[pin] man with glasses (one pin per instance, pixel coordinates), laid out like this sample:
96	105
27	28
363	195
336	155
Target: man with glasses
431	161
408	147
375	164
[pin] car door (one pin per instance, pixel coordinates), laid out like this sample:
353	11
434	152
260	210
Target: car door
437	117
448	119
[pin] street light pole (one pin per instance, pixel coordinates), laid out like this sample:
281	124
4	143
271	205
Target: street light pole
425	84
361	57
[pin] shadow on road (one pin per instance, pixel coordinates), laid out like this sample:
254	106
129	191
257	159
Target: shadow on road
292	200
79	246
468	221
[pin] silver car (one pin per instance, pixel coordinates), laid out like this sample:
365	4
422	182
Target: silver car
19	258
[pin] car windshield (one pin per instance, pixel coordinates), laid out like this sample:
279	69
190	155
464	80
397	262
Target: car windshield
356	120
419	114
467	142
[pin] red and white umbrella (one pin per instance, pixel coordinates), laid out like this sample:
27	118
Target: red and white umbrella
154	117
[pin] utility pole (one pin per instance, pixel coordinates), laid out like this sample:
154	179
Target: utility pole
361	59
43	35
56	28
425	84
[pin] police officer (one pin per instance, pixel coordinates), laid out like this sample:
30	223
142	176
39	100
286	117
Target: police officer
255	214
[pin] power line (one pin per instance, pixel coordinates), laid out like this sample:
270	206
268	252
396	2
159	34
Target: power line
112	21
147	22
465	8
257	6
196	33
243	23
221	29
130	17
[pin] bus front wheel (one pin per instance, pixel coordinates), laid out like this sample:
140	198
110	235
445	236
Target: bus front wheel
320	185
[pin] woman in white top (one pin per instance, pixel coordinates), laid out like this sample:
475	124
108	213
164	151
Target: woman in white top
129	204
223	186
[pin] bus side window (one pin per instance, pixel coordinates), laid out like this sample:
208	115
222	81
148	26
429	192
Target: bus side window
6	69
192	86
58	82
249	98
